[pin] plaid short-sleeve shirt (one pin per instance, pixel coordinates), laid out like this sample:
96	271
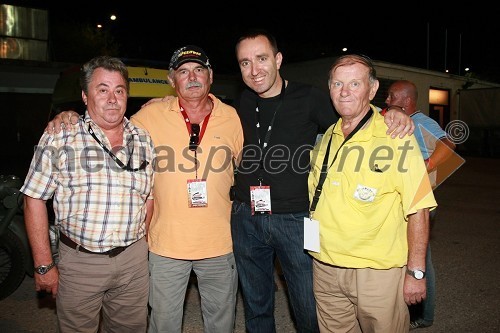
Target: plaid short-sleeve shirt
97	203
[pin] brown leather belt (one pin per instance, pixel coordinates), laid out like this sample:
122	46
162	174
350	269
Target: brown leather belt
111	253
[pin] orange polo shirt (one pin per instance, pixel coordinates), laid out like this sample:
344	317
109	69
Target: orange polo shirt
177	231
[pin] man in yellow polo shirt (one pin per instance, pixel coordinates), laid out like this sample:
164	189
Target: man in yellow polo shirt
370	195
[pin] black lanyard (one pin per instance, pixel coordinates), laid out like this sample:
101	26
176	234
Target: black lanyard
269	130
115	158
325	167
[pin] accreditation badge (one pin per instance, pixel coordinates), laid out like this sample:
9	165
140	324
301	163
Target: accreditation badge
260	199
197	193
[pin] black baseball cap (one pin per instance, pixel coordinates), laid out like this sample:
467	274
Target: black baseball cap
189	53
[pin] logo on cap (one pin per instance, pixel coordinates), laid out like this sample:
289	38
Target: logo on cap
189	53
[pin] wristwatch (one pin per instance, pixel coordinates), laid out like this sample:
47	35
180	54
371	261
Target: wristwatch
43	269
417	273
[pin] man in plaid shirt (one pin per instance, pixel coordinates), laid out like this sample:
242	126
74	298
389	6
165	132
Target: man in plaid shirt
100	176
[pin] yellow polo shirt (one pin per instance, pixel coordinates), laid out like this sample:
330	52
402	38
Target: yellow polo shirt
370	189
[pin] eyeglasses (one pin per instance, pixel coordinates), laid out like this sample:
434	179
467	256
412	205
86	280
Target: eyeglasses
127	167
141	167
194	139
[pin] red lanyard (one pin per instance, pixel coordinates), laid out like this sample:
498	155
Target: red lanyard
188	123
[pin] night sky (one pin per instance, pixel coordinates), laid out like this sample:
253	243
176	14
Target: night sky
424	36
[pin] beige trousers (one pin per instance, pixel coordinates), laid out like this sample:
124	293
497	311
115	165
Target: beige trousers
363	300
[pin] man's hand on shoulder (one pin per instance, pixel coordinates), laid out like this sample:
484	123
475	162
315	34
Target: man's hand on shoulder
61	120
398	122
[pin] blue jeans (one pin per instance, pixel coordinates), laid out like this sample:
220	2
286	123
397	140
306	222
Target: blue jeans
257	240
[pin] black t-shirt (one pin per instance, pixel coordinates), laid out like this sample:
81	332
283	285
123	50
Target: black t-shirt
304	112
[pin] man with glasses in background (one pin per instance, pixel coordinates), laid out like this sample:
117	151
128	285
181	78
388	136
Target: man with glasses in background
197	137
99	173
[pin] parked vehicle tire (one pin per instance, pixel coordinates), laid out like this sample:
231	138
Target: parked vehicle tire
13	259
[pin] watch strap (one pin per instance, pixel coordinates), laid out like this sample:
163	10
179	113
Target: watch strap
42	269
415	272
